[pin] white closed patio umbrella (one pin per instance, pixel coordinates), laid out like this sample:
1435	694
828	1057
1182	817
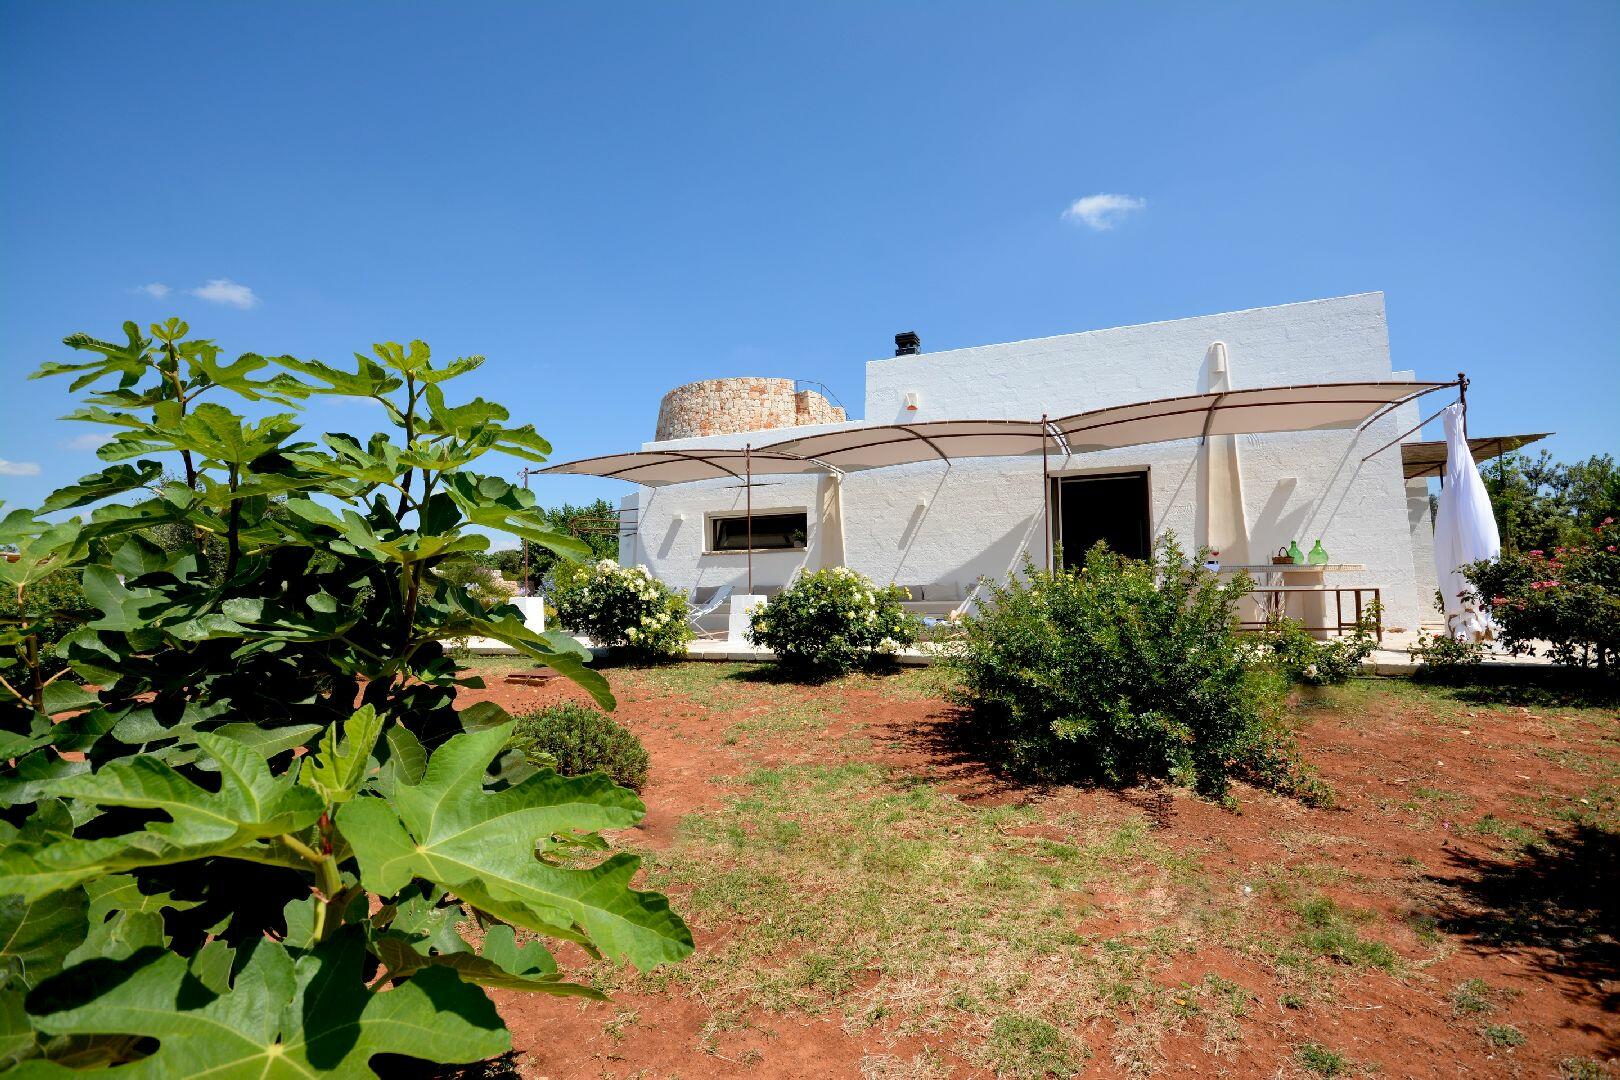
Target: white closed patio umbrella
1464	531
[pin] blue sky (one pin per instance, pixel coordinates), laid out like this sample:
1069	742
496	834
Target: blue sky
611	200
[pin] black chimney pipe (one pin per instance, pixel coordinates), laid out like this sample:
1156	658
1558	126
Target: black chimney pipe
907	344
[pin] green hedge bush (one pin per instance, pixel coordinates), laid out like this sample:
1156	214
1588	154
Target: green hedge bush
1122	670
621	607
576	739
829	621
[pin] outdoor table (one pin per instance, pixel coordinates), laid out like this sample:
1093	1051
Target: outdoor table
1304	583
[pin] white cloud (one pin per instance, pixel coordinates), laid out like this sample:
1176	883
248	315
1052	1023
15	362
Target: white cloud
18	468
90	440
155	289
1102	211
227	292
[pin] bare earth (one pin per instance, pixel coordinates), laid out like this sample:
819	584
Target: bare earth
870	901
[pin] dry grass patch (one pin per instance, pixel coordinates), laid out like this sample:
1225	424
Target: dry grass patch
895	905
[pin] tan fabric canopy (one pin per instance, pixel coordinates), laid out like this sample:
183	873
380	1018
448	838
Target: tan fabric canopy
1429	458
656	468
901	444
1309	407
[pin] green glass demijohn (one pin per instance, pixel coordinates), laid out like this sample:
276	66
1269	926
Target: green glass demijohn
1294	554
1318	554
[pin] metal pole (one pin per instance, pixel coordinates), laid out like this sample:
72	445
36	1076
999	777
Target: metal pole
1462	396
1046	496
748	513
525	540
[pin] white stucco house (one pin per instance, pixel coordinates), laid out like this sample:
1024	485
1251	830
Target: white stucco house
945	524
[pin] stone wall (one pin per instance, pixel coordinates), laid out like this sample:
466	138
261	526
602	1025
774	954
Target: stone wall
724	406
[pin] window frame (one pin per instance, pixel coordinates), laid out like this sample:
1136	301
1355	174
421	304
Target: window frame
710	530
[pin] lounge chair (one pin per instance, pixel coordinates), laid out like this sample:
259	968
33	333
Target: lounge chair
706	601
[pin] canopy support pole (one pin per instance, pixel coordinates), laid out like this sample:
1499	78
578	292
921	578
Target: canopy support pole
1404	434
1462	397
1046	496
748	512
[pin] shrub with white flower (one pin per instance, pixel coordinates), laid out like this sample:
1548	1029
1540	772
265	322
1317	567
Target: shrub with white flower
828	621
621	607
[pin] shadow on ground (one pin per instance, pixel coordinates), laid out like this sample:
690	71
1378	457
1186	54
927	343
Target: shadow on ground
1542	688
1562	895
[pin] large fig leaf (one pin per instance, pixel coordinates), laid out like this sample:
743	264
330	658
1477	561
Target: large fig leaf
36	936
480	845
249	806
337	769
502	963
281	1018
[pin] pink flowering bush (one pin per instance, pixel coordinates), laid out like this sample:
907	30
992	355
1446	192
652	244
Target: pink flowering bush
1566	600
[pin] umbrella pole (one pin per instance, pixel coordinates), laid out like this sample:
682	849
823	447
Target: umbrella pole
748	513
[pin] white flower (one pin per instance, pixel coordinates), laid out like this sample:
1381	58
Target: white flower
632	633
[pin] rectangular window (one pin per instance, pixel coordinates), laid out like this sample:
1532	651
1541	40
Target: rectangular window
784	532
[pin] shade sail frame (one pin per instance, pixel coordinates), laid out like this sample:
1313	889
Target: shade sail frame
1337	407
660	468
882	446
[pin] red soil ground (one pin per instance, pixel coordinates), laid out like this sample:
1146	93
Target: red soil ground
1539	926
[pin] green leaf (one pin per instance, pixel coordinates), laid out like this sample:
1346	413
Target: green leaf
36	936
502	964
335	771
280	1018
480	845
111	481
249	806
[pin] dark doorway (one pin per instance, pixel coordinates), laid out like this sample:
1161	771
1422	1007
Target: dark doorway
1112	508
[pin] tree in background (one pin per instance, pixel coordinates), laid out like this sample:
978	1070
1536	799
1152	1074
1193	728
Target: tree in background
595	525
1543	504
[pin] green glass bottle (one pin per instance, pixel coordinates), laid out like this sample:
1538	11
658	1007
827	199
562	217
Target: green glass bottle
1318	554
1296	556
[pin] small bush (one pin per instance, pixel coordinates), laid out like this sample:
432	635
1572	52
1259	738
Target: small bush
1471	996
1569	599
1304	659
576	739
1122	670
1503	1036
622	607
1323	1062
1445	658
829	621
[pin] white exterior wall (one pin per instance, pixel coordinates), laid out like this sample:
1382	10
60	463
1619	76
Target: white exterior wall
927	523
1421	526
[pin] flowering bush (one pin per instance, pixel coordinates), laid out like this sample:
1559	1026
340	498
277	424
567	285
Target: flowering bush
1306	660
828	621
621	607
1568	599
1125	669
